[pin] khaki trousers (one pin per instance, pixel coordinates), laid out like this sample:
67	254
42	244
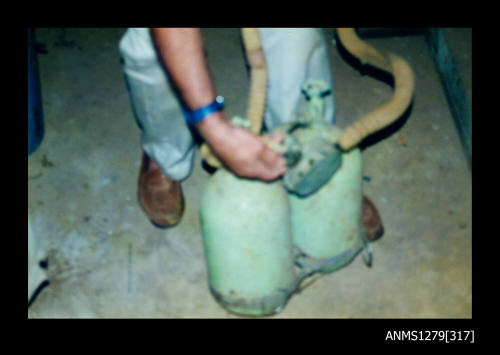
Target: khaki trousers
293	55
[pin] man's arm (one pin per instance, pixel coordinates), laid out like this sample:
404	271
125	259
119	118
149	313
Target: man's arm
244	153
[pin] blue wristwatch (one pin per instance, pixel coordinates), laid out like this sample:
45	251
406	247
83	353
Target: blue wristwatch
195	116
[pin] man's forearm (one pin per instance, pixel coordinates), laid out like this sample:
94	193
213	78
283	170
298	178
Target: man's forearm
182	53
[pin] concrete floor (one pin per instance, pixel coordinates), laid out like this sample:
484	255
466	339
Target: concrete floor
105	259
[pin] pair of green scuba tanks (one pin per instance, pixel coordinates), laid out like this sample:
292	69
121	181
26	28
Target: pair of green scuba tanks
262	240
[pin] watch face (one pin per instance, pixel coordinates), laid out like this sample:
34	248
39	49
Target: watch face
220	100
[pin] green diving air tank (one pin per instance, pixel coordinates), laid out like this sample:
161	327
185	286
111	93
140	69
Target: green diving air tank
247	242
326	226
325	189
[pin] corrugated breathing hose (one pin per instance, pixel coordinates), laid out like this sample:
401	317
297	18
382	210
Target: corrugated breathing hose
404	83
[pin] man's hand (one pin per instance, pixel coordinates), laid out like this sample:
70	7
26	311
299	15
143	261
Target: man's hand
243	152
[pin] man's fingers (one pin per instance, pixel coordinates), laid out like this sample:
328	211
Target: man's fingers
265	173
277	137
272	165
272	159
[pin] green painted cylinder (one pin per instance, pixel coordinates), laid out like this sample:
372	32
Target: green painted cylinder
327	225
247	242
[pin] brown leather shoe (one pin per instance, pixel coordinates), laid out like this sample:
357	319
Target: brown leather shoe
371	221
159	197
